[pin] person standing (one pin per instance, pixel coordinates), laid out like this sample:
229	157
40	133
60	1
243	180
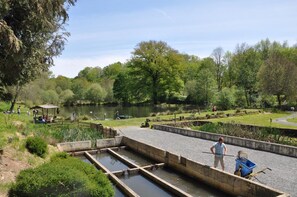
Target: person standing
219	149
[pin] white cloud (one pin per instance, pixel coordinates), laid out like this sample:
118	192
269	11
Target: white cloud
70	67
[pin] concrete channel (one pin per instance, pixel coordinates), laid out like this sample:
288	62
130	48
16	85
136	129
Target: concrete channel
139	169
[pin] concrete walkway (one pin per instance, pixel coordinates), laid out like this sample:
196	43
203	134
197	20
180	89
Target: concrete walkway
284	121
284	169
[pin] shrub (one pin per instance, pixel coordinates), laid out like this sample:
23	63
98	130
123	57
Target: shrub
62	177
226	99
36	145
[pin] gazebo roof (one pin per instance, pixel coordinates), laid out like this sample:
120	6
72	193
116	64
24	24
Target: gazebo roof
46	106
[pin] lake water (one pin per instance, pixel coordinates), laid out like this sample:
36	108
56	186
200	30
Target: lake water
108	112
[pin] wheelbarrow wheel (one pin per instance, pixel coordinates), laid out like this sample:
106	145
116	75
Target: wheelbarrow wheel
238	171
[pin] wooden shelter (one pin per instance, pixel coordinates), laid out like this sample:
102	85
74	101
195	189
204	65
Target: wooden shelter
49	112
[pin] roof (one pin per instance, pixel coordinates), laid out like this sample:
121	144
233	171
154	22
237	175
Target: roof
46	106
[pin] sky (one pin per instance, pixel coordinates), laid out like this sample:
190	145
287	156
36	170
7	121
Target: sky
105	32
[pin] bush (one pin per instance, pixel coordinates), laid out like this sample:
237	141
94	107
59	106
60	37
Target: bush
226	99
36	145
62	177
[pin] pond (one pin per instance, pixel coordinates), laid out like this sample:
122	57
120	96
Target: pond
108	112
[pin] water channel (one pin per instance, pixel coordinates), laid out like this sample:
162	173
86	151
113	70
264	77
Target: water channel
146	187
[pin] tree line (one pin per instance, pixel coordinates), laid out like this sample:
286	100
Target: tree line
32	32
262	75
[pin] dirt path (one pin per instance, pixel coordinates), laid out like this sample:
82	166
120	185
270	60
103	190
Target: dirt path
10	166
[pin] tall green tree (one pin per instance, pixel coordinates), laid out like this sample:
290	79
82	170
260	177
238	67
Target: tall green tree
92	74
122	88
155	68
277	74
248	62
32	33
63	82
95	93
111	71
79	87
217	55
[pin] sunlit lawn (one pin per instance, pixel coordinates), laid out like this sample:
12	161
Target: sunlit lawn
121	123
262	119
138	121
292	120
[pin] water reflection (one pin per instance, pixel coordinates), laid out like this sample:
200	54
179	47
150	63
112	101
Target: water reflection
108	112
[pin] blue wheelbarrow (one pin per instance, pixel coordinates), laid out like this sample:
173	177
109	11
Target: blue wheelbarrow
244	167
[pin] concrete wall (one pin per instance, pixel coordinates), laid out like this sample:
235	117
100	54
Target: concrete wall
248	143
106	131
224	181
87	145
75	146
109	142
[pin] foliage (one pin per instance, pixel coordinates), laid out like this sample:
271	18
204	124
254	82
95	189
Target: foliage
95	93
226	99
121	88
32	33
264	134
66	96
91	74
205	87
70	133
278	73
111	71
62	177
217	55
158	73
50	96
155	67
248	62
36	145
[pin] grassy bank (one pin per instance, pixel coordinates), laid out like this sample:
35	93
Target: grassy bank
262	119
294	120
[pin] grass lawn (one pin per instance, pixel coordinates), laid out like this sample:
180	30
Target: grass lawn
262	119
121	123
292	120
138	121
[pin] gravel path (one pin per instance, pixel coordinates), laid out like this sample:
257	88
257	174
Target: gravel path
284	169
284	121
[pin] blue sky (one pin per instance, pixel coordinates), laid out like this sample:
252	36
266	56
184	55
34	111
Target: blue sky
104	32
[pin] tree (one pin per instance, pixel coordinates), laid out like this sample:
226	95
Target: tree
217	56
226	99
111	71
189	67
32	33
121	88
205	87
229	78
248	62
155	67
66	96
50	96
79	87
277	74
91	74
95	93
63	82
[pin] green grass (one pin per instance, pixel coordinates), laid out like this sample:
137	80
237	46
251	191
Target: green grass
4	187
294	120
202	114
120	123
165	118
262	119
